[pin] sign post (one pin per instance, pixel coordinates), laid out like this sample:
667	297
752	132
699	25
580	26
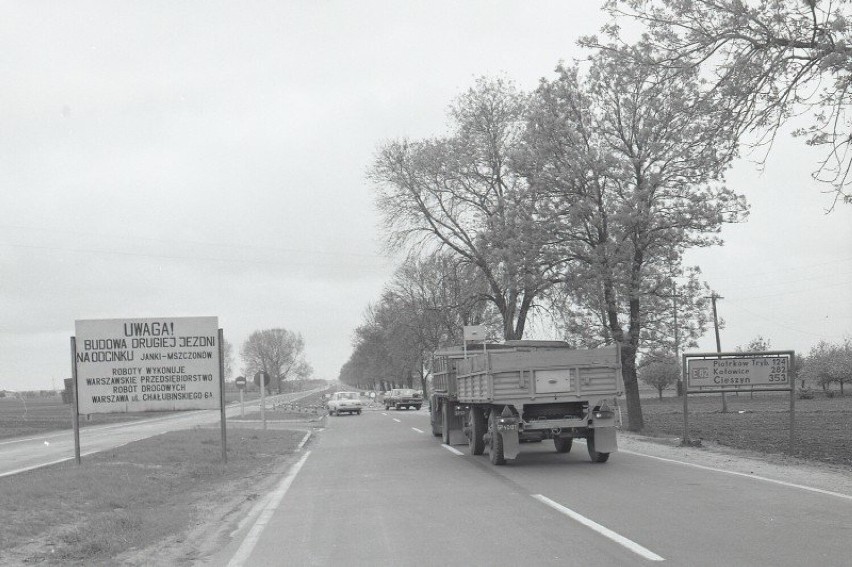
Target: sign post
222	396
241	386
262	378
474	333
76	412
762	371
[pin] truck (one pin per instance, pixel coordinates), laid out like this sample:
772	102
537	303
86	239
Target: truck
399	398
526	391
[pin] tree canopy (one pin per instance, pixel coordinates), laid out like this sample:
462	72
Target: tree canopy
464	193
278	352
631	164
766	60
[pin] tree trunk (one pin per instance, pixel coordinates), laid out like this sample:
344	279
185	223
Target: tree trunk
635	422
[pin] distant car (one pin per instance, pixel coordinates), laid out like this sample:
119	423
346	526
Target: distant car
344	402
403	398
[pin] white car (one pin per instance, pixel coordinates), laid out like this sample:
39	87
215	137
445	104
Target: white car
344	402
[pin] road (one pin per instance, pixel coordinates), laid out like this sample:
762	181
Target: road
379	489
18	455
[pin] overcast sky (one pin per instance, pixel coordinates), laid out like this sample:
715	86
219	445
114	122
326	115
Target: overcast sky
207	158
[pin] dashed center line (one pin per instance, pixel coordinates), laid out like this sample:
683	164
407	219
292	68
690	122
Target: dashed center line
452	450
417	430
606	532
397	420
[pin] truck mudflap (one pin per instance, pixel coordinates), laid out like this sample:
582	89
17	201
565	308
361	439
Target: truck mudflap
605	441
507	428
453	424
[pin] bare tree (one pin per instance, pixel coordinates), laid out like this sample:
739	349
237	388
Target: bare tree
632	163
278	352
463	194
769	60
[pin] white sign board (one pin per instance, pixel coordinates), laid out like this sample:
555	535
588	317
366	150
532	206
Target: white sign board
159	364
737	372
475	333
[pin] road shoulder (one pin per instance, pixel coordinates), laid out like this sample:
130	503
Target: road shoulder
780	468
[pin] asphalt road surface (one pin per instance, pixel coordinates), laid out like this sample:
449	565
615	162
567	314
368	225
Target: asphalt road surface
379	489
18	455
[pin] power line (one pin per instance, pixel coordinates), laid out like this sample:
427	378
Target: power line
174	257
135	238
782	325
784	282
809	290
798	267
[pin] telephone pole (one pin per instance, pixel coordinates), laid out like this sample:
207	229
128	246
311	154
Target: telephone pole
713	297
677	346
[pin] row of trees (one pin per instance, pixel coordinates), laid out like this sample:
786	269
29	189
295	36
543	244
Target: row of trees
579	199
828	364
425	306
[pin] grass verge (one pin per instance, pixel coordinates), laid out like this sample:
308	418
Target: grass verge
823	428
131	497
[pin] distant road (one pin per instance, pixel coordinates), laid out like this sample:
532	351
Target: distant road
26	453
379	489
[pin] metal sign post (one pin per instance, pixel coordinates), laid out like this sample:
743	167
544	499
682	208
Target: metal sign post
75	411
260	378
222	395
473	333
241	386
263	401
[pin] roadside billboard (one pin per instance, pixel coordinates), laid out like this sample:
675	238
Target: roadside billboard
156	364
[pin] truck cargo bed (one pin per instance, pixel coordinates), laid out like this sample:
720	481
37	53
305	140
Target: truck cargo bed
516	376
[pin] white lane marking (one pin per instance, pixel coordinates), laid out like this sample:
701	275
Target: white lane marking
746	475
452	450
606	532
417	430
384	413
304	440
397	420
62	460
271	505
38	466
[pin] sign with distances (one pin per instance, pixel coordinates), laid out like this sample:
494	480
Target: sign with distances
739	372
158	364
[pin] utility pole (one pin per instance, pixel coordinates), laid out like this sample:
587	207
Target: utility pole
713	298
677	346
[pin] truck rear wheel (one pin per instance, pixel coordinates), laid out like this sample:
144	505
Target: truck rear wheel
495	445
595	455
435	418
563	444
478	425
